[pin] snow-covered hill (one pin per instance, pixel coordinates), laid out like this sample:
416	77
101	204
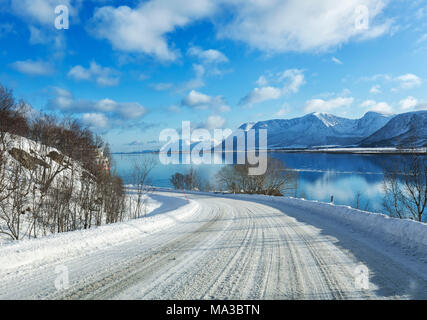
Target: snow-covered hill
318	129
406	129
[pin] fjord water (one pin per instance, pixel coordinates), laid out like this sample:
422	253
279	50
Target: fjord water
320	175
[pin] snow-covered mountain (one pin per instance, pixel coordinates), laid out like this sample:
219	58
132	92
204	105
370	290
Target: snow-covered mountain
406	129
318	129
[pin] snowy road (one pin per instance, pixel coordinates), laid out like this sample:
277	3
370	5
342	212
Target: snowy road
230	249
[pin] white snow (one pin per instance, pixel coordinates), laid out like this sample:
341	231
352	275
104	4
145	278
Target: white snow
226	246
162	213
408	234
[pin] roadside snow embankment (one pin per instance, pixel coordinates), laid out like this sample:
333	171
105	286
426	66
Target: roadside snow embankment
57	247
408	234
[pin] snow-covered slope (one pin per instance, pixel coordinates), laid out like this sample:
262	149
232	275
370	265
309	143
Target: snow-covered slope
318	129
406	129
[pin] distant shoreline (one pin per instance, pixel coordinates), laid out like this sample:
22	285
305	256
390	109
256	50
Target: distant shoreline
367	151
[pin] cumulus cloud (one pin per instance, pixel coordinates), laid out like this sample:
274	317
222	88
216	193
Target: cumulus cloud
294	25
215	122
404	81
290	80
270	26
375	89
200	101
409	80
103	76
258	95
144	28
40	16
382	107
95	120
207	56
40	11
408	103
34	68
320	105
101	113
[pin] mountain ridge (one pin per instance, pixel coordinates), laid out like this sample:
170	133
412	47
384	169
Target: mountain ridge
318	129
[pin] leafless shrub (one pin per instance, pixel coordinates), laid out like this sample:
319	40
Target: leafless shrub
277	180
191	180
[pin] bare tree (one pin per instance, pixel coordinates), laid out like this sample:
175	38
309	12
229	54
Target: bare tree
141	168
405	186
63	182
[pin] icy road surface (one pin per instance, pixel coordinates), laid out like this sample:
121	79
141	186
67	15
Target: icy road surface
215	248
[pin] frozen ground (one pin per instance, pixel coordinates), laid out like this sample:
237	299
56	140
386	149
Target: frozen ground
226	247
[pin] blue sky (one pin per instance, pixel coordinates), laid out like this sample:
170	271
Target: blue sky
130	69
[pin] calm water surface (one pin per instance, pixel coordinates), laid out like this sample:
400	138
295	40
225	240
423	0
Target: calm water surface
319	175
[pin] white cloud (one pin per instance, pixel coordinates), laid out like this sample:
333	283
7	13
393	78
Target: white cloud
408	103
320	105
372	105
409	80
95	120
271	26
422	38
375	89
296	25
130	110
262	81
336	60
40	17
282	111
40	11
291	80
201	101
405	81
64	101
378	76
197	81
103	76
35	68
214	122
162	86
207	56
421	13
258	95
144	29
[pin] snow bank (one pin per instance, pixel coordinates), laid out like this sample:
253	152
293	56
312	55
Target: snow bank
30	253
408	234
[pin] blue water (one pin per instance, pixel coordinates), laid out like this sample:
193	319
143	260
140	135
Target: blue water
320	176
